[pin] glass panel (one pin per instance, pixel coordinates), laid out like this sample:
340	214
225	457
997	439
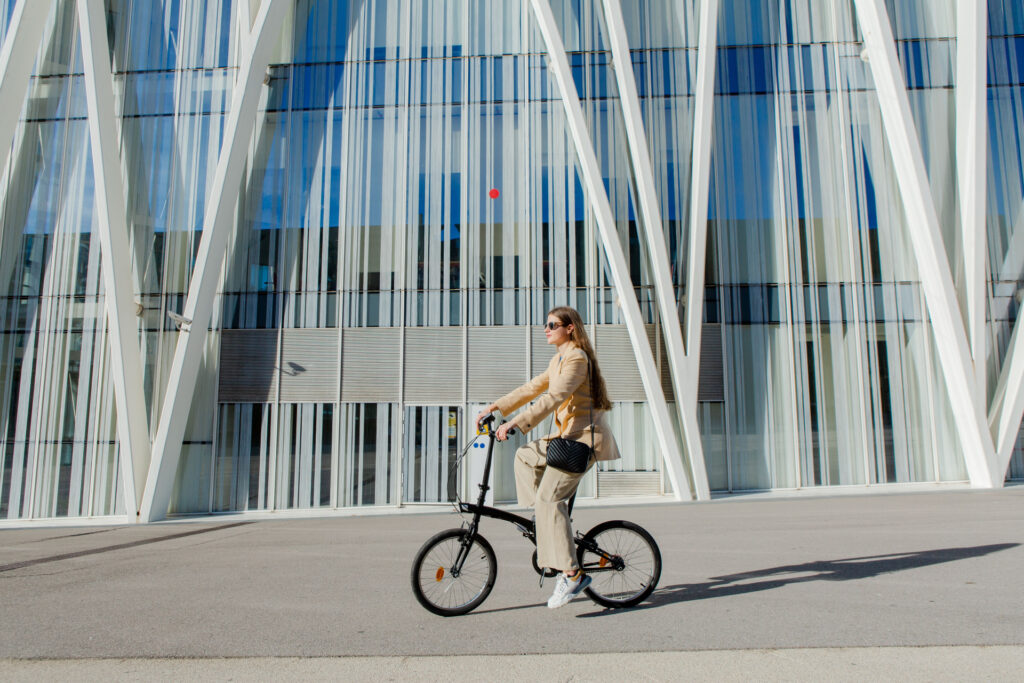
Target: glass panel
633	428
153	36
192	484
420	173
368	437
59	453
243	445
711	417
431	448
302	462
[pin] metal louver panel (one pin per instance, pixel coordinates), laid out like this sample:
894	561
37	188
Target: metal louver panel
618	363
616	484
712	378
540	351
497	361
248	366
309	365
434	365
370	364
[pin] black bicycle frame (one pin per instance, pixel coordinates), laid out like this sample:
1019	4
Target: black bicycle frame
479	510
527	526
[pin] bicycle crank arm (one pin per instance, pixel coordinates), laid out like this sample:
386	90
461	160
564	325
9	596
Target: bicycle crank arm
605	563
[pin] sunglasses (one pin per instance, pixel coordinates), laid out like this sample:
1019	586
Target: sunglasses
552	326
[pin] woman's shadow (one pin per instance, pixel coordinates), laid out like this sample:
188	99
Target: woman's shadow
848	569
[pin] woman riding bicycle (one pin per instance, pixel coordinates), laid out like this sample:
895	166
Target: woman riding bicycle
575	392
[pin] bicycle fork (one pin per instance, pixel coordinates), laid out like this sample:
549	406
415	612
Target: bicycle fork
464	545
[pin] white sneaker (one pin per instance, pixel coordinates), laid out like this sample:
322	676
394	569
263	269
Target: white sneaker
566	589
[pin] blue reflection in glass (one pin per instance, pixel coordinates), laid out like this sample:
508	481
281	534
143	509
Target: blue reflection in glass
1006	61
322	28
1005	17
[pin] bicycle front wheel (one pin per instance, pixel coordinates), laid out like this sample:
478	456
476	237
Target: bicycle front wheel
623	562
440	586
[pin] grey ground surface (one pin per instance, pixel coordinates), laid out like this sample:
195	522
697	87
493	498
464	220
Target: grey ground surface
991	663
920	569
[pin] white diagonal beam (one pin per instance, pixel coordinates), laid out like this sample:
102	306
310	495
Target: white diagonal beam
932	264
17	57
245	21
650	214
700	174
198	311
558	64
112	227
971	148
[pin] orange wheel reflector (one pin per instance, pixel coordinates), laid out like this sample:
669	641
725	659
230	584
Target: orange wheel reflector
440	574
603	562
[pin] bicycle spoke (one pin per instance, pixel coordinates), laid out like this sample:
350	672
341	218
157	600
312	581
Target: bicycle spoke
636	571
437	581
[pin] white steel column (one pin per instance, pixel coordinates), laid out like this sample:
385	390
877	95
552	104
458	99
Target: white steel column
972	172
685	384
17	57
700	173
558	64
923	226
112	224
245	20
209	260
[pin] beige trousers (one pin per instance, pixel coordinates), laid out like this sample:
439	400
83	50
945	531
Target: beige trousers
548	491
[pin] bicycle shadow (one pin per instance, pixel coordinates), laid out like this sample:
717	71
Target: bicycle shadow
847	569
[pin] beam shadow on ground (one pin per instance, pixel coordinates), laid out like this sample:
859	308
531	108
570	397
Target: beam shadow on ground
848	569
119	546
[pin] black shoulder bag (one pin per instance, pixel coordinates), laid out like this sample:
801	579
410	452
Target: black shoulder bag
573	456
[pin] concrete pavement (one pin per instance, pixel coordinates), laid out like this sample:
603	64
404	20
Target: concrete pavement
992	663
746	575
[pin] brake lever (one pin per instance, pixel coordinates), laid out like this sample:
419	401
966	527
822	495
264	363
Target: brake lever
510	432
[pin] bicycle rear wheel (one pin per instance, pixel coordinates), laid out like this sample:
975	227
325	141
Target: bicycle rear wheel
623	562
439	588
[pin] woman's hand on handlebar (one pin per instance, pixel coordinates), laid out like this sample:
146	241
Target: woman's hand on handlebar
484	413
502	432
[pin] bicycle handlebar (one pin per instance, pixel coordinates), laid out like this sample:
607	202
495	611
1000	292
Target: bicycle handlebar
486	422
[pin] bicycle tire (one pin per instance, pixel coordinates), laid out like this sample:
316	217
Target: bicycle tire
638	577
433	584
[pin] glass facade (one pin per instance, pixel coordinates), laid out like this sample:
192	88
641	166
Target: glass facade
412	203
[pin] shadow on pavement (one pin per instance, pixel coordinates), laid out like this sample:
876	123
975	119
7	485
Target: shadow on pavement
848	569
119	546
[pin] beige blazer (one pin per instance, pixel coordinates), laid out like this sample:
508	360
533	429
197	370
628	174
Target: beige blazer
567	386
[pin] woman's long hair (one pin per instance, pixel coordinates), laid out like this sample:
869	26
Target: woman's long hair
570	316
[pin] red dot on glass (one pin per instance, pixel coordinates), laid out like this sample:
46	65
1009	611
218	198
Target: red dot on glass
493	194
